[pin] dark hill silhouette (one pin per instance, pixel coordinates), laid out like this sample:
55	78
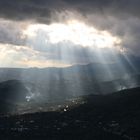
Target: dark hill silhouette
114	116
13	91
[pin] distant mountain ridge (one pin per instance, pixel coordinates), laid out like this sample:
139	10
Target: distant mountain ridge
77	80
101	72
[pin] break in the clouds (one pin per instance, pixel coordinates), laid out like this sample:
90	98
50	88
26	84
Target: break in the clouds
45	33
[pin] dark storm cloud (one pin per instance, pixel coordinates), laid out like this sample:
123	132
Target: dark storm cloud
120	17
28	9
39	9
10	33
116	7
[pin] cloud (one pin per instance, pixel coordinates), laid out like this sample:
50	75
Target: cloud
29	9
35	9
19	50
11	55
119	8
24	56
119	17
11	32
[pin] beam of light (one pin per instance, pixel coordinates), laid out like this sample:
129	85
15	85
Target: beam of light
74	82
74	31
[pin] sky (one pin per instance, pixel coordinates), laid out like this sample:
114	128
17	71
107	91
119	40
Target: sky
61	33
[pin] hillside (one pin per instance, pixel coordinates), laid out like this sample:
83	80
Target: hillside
115	116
